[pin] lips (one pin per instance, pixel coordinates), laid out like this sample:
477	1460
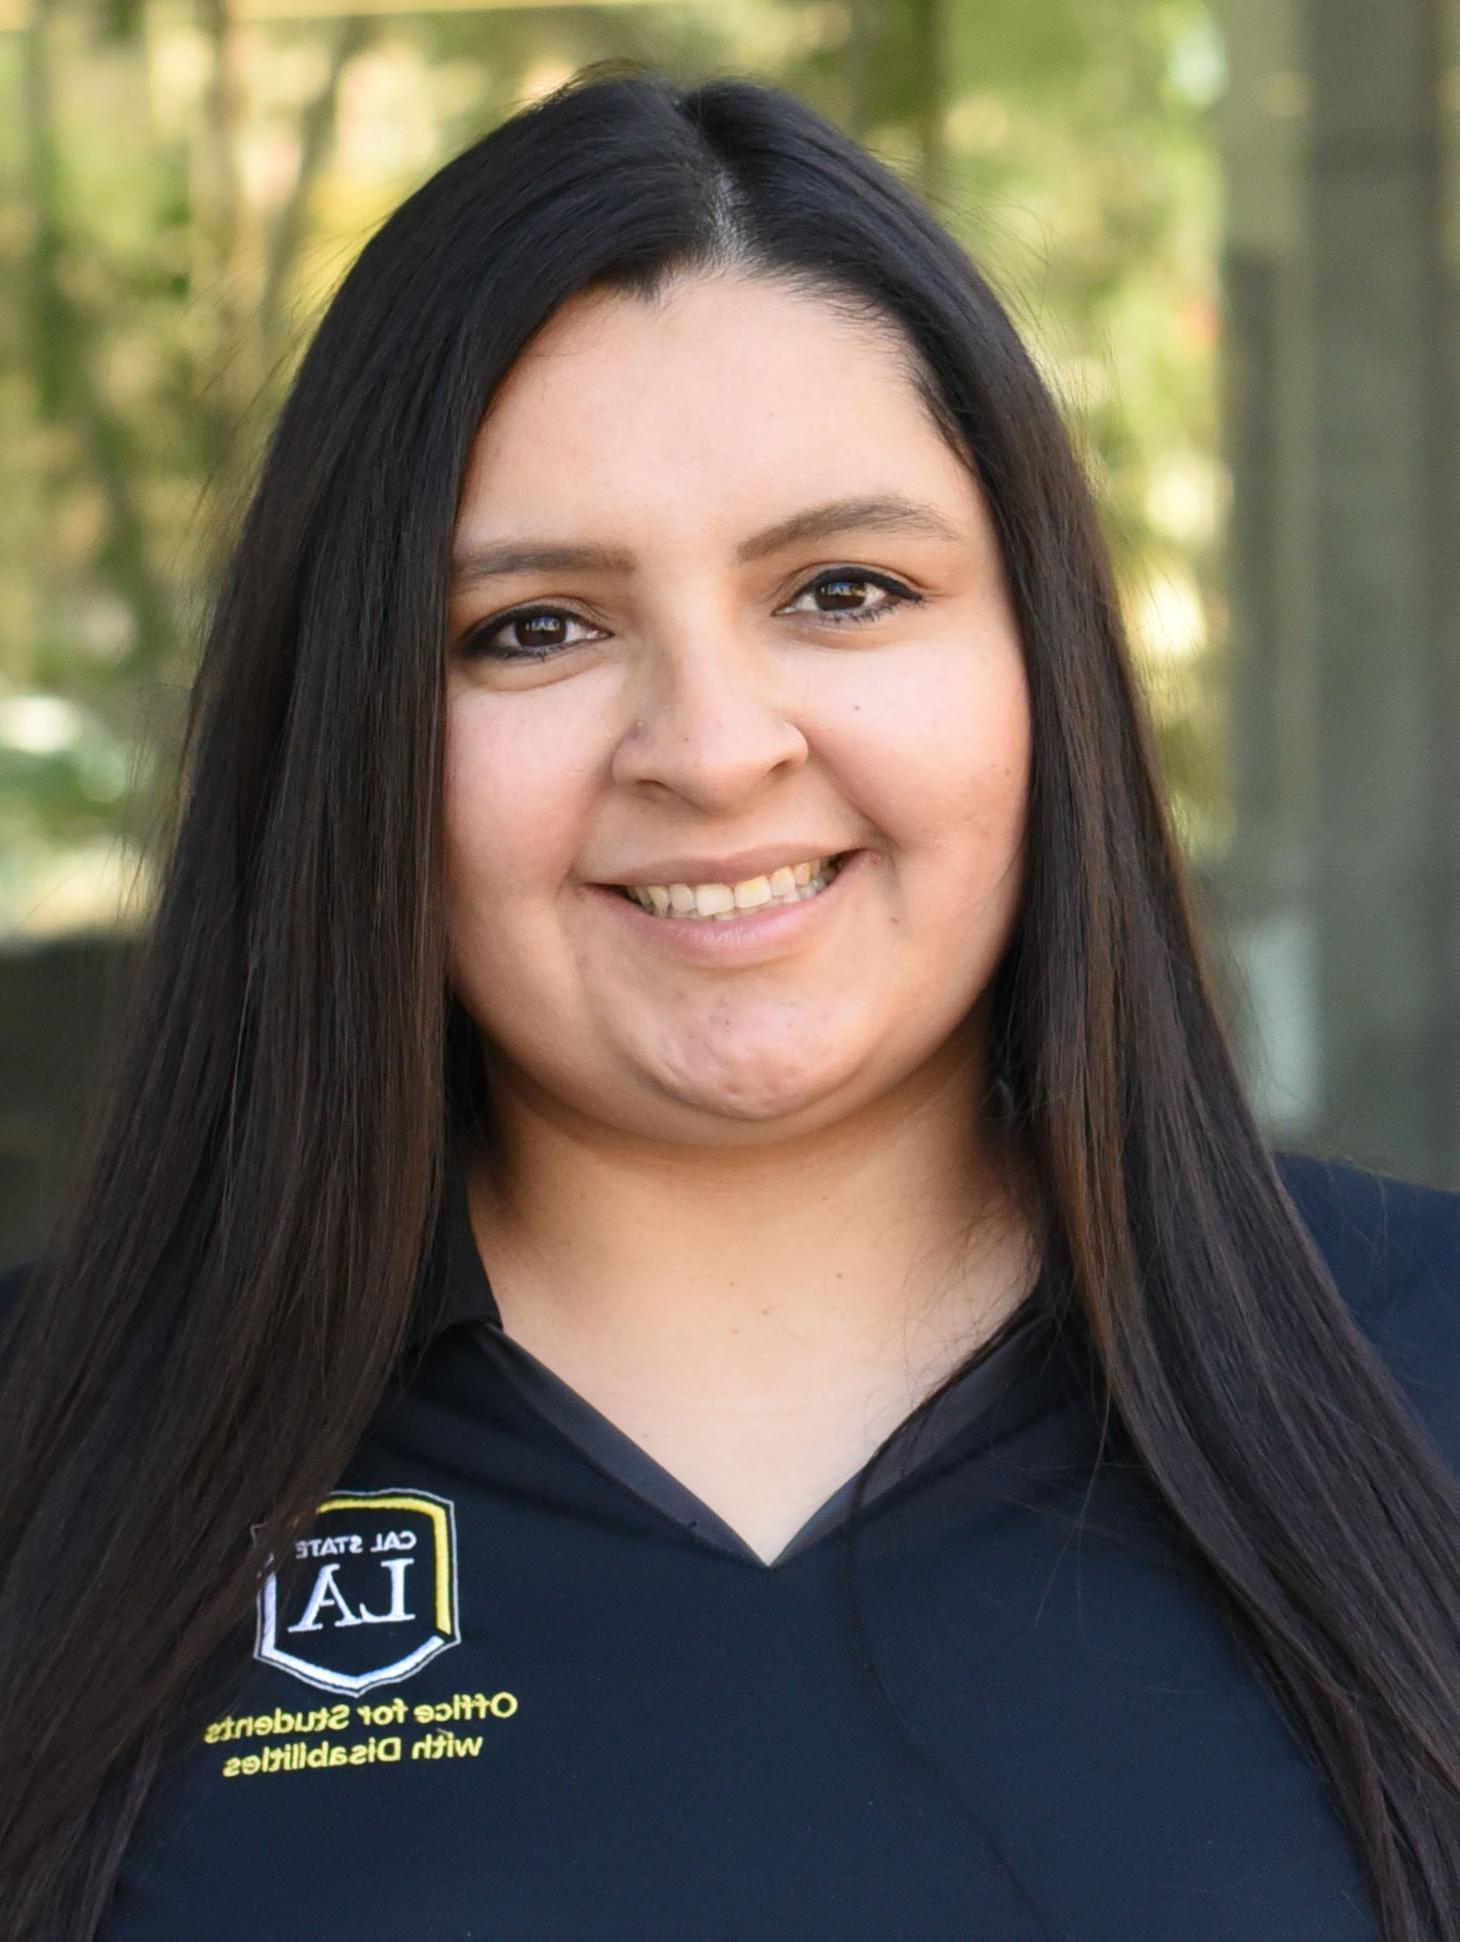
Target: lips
730	870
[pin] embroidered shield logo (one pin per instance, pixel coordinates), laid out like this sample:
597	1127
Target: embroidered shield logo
373	1597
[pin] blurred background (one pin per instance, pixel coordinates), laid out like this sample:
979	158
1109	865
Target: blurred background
1230	232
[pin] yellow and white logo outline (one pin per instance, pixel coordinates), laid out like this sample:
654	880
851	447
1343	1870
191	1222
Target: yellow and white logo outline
441	1514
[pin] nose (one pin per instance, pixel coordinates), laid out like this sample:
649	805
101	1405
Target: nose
711	724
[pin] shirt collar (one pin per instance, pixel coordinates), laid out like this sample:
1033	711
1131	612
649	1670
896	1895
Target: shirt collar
454	1287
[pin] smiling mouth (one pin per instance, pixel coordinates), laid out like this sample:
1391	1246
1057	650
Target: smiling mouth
722	902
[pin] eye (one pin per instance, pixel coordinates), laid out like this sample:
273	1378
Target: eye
540	633
851	583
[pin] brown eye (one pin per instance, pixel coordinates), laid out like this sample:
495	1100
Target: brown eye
539	635
849	584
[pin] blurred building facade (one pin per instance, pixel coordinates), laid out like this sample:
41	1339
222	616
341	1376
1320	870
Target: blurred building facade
1342	408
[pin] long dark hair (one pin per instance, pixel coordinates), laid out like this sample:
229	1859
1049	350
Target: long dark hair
207	1336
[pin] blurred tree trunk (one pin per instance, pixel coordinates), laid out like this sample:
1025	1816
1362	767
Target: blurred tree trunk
316	134
896	65
244	266
929	23
42	176
68	386
864	66
219	240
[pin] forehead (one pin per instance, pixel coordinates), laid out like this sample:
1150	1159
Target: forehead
742	330
728	392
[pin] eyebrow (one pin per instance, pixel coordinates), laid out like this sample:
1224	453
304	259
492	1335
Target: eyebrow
882	512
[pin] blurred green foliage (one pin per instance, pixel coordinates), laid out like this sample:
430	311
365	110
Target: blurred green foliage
182	182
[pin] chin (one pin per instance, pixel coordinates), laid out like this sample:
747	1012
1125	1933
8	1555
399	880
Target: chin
765	1098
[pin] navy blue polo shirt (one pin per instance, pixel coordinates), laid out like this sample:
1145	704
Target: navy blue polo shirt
520	1684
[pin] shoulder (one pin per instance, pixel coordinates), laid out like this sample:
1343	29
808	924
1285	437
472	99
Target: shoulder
1393	1249
1390	1244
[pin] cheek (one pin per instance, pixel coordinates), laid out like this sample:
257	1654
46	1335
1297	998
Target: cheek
511	809
944	753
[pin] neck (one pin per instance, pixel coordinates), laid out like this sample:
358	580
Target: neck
873	1254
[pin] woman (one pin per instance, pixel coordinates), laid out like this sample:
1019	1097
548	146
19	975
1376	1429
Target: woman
677	1326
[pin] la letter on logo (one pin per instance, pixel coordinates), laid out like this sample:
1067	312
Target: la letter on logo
373	1597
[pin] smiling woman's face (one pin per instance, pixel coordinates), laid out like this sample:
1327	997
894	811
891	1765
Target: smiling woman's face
741	687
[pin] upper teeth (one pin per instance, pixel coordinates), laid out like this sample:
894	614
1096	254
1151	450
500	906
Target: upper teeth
789	882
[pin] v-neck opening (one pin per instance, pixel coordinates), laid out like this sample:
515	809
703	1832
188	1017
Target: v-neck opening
979	1393
625	1462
